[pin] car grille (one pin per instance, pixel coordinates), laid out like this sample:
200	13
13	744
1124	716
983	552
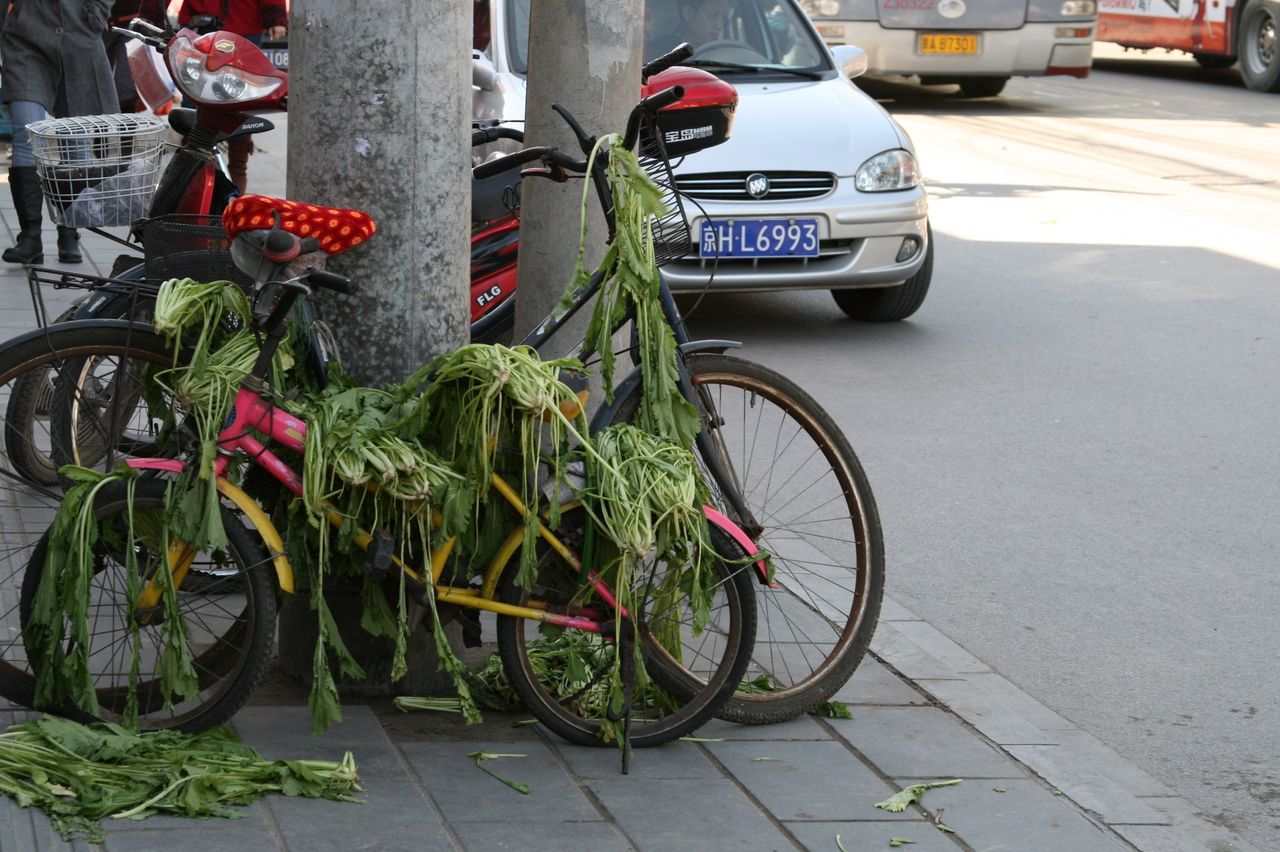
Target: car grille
732	186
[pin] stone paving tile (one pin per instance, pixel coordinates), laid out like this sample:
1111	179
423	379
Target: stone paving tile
984	702
937	645
1024	817
465	793
1187	833
684	814
898	650
285	732
861	836
1087	784
891	610
394	817
25	829
526	836
874	683
799	728
673	760
807	780
1088	748
922	742
194	836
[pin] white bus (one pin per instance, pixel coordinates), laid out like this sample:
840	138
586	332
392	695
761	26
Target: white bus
978	44
1216	33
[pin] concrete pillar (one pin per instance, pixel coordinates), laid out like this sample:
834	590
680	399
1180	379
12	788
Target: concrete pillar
379	120
585	55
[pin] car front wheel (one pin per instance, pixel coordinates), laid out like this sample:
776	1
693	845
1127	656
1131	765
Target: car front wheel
1259	47
887	304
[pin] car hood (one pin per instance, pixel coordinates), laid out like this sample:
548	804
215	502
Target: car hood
780	125
813	125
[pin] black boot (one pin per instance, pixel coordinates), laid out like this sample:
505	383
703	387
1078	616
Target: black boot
27	200
68	245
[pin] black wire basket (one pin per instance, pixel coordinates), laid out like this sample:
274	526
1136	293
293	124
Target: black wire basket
672	237
189	246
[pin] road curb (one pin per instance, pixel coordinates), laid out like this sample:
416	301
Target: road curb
1112	790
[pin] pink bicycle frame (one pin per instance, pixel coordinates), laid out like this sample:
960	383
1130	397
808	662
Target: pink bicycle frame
251	411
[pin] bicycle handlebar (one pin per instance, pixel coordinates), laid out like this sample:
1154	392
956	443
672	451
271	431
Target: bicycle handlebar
554	156
662	63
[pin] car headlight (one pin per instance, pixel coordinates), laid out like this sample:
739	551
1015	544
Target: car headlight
1074	8
887	171
821	8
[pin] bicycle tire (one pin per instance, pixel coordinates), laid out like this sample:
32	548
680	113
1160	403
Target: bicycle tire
691	698
27	407
27	507
815	623
230	626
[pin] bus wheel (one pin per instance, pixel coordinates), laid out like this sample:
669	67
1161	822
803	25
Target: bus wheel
1259	47
982	87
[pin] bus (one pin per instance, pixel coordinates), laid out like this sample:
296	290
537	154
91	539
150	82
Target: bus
1217	33
978	44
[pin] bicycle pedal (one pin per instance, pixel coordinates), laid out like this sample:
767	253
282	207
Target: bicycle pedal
377	560
469	619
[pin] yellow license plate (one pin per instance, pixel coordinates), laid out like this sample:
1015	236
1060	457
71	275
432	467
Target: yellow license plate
948	43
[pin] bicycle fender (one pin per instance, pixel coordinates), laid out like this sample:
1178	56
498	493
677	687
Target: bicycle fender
716	346
247	505
744	541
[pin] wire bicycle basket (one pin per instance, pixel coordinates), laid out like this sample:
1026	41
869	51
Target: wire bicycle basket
98	170
189	246
672	237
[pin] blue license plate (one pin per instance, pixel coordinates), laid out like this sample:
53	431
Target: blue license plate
759	238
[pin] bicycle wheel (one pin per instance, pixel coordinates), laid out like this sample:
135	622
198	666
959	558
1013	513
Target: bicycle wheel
26	415
814	514
45	358
563	675
229	617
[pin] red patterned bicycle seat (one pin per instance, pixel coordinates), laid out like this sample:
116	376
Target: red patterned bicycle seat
336	229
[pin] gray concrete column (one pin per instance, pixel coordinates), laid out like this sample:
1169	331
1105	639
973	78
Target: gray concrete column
586	55
379	119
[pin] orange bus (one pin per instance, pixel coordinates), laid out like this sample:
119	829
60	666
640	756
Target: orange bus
1217	33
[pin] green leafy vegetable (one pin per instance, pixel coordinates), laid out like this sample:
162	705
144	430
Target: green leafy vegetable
899	802
80	774
832	710
482	756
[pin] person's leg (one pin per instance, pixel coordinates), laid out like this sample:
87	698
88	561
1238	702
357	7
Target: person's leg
25	186
68	238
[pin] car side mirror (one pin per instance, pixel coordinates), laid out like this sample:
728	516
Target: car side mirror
483	75
851	60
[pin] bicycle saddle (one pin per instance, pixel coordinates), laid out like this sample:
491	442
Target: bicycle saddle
334	229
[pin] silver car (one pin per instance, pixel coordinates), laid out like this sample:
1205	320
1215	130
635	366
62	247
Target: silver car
818	187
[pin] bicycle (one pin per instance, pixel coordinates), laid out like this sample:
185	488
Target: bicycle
695	676
817	617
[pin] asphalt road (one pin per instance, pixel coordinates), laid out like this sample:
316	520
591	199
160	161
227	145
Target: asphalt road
1075	443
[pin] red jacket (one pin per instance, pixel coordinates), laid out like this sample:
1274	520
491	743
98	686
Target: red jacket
243	17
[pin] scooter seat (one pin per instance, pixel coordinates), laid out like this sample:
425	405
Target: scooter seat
335	229
183	121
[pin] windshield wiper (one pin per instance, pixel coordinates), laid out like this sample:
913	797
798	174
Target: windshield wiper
754	69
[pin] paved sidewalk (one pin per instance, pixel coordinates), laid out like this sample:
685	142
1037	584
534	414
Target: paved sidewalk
923	710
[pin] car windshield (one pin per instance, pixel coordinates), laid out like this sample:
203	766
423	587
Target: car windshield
750	36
